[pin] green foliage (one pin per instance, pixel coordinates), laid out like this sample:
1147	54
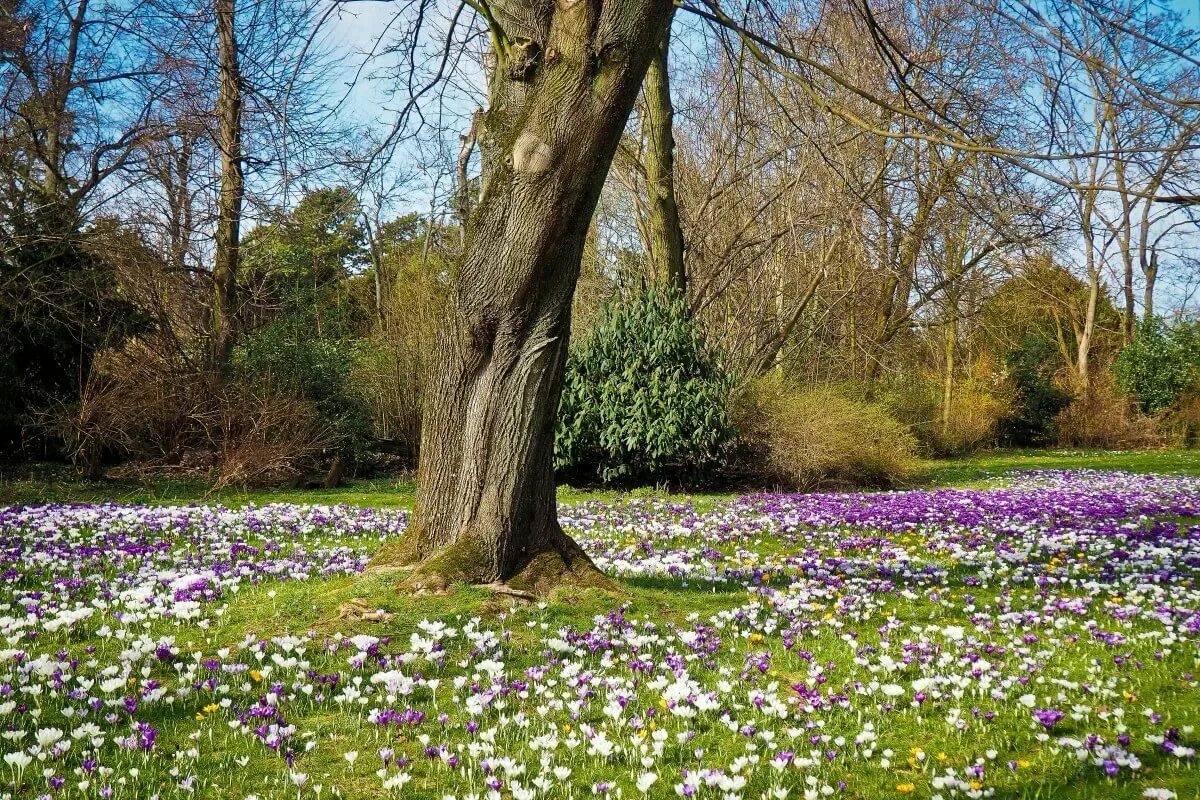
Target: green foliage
59	304
1159	364
286	357
299	259
643	398
1036	400
804	438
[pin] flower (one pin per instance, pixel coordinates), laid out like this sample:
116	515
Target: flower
1048	717
971	607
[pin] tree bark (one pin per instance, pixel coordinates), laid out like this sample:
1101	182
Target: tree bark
1084	350
566	79
951	346
1150	272
229	202
666	235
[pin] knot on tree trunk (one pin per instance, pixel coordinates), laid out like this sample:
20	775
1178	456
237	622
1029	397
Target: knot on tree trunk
523	59
531	155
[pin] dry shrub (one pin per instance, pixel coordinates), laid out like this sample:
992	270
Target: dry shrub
387	375
804	438
975	413
976	407
391	371
262	437
1179	426
138	403
150	406
1102	417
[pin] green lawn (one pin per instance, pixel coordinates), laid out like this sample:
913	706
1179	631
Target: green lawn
980	468
55	483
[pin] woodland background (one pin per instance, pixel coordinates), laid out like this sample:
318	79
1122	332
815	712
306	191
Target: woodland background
773	293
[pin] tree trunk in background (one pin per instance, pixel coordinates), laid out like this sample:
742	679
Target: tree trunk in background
1129	318
666	235
566	79
229	202
951	344
1084	350
1148	255
1150	272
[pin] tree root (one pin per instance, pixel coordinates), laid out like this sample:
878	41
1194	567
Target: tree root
557	564
562	564
507	591
359	610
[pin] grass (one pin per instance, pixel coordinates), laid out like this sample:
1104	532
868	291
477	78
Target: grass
984	467
851	629
51	483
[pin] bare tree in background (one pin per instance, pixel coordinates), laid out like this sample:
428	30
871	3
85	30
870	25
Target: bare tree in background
233	184
78	94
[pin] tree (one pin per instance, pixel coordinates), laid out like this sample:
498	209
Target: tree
564	81
246	116
78	87
296	265
233	184
666	235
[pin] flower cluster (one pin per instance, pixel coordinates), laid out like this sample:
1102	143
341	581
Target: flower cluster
1006	642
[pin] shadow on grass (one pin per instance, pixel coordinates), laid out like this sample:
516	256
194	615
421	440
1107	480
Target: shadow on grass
656	584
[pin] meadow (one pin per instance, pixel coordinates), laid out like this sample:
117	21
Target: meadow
1025	634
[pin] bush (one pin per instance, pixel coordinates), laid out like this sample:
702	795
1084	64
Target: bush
1102	417
392	369
1036	400
802	439
975	414
388	376
1179	425
282	358
262	436
643	400
976	409
146	403
1158	365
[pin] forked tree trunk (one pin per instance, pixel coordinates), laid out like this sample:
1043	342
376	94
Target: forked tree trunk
565	80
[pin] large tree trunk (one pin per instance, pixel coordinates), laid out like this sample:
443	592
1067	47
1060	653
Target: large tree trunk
565	80
229	202
666	235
